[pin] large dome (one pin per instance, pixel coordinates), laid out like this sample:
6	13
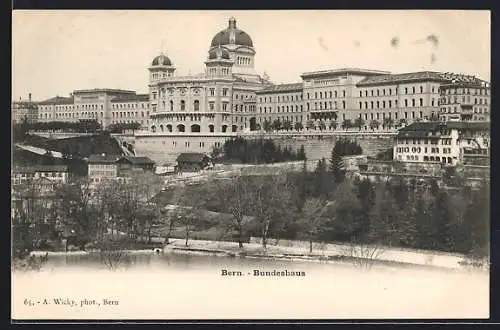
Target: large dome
161	60
232	35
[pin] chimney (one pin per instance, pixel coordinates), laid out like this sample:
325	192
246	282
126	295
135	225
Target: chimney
29	97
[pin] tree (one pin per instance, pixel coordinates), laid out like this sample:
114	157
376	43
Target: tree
266	125
336	166
388	122
75	200
277	125
311	220
366	196
322	125
301	153
345	214
333	125
272	204
359	122
309	124
384	219
374	124
287	125
236	198
253	123
298	126
346	124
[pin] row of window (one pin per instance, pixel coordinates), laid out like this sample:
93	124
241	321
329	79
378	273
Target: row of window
284	98
128	114
450	100
428	158
324	95
433	150
426	141
42	174
456	110
282	119
195	128
283	109
473	91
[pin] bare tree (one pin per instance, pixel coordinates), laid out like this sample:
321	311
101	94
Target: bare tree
363	255
311	218
235	198
272	203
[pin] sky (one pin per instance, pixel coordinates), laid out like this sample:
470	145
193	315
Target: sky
55	52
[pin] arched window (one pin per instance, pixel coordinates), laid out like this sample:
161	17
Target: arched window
196	105
161	128
224	128
211	128
181	128
171	105
195	128
153	128
234	128
183	105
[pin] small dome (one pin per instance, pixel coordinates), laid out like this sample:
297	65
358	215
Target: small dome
161	60
218	53
232	36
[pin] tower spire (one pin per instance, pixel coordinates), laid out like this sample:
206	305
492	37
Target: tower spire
162	50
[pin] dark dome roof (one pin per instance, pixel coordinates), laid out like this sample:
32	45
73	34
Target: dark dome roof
161	60
232	35
218	52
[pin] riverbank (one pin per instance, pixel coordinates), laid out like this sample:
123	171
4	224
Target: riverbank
363	256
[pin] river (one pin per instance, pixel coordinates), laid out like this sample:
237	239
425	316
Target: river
174	286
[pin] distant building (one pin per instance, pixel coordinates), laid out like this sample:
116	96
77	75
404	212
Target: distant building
107	106
444	142
111	167
55	174
192	162
24	110
280	102
465	98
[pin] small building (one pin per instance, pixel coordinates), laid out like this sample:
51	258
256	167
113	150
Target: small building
56	174
109	167
193	162
444	142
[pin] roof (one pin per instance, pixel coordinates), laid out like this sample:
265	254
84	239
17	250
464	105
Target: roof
219	52
104	159
232	35
403	77
131	98
470	125
140	160
295	87
103	90
342	71
40	168
161	60
422	129
191	157
58	100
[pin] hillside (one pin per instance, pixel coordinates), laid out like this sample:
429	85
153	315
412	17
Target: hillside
78	147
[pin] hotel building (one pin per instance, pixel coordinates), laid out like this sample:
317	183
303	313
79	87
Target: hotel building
444	142
464	98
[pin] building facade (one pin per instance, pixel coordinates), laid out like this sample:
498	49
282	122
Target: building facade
444	142
107	106
464	98
284	102
220	100
115	167
55	174
24	110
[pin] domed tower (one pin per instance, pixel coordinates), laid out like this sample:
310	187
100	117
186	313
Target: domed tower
219	63
239	46
161	68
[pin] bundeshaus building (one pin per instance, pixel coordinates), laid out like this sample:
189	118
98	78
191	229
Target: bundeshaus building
194	113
